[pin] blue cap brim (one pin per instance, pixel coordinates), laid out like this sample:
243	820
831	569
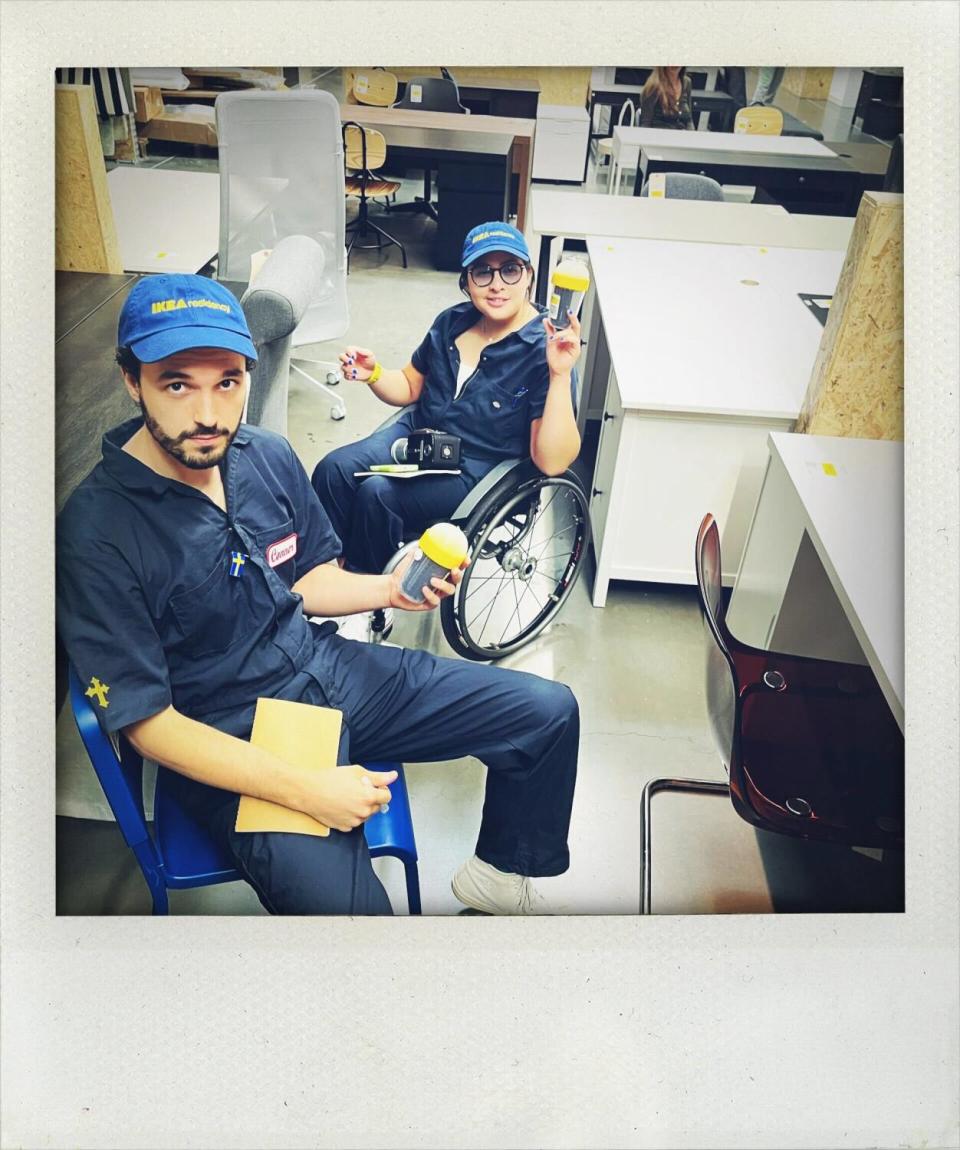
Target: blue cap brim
498	245
164	343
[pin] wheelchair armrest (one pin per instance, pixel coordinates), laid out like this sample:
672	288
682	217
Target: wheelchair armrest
509	474
396	414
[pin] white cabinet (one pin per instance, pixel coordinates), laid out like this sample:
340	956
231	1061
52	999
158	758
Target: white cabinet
560	144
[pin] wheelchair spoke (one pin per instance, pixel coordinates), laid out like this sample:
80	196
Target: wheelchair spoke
533	545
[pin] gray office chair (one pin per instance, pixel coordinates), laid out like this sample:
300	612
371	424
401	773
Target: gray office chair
274	304
686	186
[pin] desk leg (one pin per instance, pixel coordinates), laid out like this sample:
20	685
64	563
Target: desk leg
522	155
769	554
543	268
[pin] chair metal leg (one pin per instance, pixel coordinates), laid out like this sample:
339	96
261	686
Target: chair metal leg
654	787
413	885
339	410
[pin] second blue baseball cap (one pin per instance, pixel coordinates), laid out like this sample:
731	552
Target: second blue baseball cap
493	237
169	313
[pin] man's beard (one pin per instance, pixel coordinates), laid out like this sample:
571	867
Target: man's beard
178	448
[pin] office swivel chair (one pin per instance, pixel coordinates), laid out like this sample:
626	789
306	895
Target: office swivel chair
682	186
181	854
365	150
281	175
810	746
428	94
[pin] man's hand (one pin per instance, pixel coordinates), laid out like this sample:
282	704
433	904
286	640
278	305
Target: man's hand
563	346
357	363
437	590
346	797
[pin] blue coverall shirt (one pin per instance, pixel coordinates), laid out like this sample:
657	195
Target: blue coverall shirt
147	603
508	390
151	616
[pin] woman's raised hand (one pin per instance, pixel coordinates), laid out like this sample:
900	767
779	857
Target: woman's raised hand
357	363
563	346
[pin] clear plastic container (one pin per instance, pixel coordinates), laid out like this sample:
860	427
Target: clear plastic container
568	286
442	548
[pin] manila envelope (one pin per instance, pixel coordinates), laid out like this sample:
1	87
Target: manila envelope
302	735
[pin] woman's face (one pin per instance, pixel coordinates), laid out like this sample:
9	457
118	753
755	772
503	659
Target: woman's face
492	297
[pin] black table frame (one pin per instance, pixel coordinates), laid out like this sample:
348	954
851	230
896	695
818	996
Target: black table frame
817	185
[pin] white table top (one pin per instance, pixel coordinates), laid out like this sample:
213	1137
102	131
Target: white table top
711	329
166	221
651	138
856	524
579	214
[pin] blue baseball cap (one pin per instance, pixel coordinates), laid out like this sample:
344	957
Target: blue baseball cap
169	313
493	237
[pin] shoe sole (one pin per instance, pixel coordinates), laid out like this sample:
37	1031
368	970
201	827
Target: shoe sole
467	901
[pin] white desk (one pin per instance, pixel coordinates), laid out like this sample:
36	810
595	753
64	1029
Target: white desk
629	142
822	570
166	221
558	215
705	349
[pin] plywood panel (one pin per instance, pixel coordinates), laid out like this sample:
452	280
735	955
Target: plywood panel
810	83
856	388
86	238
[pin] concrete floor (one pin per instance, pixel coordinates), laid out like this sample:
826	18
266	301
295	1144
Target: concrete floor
636	667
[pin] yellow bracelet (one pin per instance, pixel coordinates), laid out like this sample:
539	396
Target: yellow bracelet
376	373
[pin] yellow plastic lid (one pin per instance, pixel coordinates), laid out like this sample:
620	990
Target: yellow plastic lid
444	544
572	274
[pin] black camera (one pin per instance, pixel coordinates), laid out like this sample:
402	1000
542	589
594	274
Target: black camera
428	448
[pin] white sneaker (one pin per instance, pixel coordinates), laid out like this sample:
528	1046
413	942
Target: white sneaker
481	886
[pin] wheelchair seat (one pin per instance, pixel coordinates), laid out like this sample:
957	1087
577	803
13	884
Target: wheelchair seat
528	534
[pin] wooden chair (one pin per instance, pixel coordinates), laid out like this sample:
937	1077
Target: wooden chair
759	120
371	86
365	150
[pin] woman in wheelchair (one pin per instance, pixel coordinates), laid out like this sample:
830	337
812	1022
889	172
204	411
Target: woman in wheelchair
492	370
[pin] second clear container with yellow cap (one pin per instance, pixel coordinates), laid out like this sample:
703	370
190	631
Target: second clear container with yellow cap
568	286
442	548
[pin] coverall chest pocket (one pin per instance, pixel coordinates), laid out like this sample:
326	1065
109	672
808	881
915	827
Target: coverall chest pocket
503	410
213	615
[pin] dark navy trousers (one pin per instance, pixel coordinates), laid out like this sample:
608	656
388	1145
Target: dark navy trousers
374	516
410	706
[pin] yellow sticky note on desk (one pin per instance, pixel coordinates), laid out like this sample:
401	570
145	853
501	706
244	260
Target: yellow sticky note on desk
828	469
307	738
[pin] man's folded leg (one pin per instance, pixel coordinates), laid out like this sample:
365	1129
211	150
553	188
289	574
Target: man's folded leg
304	874
411	706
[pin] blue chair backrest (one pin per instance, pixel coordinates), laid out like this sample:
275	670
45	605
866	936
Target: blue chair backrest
120	771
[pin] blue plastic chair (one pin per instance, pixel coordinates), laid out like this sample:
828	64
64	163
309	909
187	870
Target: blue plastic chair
181	853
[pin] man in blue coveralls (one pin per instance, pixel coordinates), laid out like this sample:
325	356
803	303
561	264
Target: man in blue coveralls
188	561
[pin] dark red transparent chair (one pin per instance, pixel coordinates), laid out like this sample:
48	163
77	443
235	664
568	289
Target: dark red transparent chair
811	747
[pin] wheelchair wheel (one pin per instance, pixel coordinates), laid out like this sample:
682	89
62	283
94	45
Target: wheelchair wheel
526	550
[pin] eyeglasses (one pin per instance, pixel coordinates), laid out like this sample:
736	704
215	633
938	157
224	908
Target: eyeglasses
482	276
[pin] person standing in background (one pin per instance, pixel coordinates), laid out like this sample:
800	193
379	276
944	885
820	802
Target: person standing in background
767	84
666	100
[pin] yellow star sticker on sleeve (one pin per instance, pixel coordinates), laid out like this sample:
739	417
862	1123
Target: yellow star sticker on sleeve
98	691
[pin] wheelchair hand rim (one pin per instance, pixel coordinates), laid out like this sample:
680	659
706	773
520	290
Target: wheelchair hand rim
461	623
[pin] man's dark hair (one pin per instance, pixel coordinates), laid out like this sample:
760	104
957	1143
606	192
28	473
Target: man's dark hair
128	363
